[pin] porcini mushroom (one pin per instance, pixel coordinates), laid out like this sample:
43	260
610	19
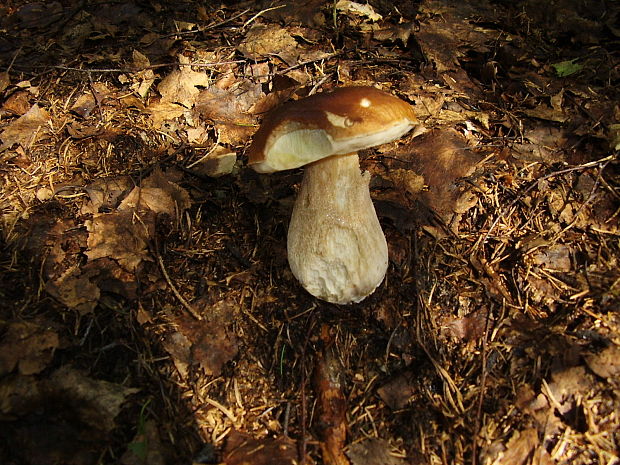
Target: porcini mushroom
336	247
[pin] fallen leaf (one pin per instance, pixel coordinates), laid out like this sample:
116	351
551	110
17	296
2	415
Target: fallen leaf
469	327
26	129
209	343
18	103
5	80
567	67
106	193
358	9
164	111
244	450
518	449
397	392
229	110
554	258
219	162
146	447
182	86
606	363
96	402
66	418
120	236
38	15
266	40
75	289
373	451
157	194
26	346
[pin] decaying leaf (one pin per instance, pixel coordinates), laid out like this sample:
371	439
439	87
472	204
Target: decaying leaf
105	194
26	129
120	236
397	392
243	450
209	343
219	162
470	327
182	86
606	363
146	447
358	9
29	347
265	40
518	449
372	451
65	418
124	235
158	194
76	289
229	110
96	402
435	162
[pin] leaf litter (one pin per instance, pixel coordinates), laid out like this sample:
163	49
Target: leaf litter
143	263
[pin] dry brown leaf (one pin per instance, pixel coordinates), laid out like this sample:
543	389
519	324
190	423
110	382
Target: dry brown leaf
229	110
5	80
182	86
26	346
358	9
395	32
18	103
519	448
209	343
441	157
566	385
469	327
75	289
606	363
555	258
105	193
397	392
120	236
373	451
146	447
96	402
267	40
25	130
164	111
244	450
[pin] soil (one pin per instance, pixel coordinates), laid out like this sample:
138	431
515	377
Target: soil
147	311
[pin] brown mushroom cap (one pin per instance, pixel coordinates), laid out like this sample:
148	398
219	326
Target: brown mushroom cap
339	122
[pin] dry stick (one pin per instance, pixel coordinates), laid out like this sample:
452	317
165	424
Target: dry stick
176	293
513	204
302	448
483	381
133	70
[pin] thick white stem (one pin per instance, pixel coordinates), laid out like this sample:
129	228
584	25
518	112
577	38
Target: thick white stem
336	247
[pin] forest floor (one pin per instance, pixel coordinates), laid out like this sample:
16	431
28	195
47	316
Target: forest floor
147	311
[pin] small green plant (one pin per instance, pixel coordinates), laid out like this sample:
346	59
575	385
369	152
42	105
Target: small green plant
566	68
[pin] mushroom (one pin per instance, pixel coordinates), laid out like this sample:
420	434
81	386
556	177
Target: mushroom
336	247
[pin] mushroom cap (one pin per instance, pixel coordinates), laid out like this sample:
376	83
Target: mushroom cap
339	122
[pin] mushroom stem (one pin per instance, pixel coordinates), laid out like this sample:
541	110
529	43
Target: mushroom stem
336	247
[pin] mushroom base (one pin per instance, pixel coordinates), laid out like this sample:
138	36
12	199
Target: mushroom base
336	247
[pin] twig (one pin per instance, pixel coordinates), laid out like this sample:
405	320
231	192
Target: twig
176	293
513	204
221	408
261	13
483	380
